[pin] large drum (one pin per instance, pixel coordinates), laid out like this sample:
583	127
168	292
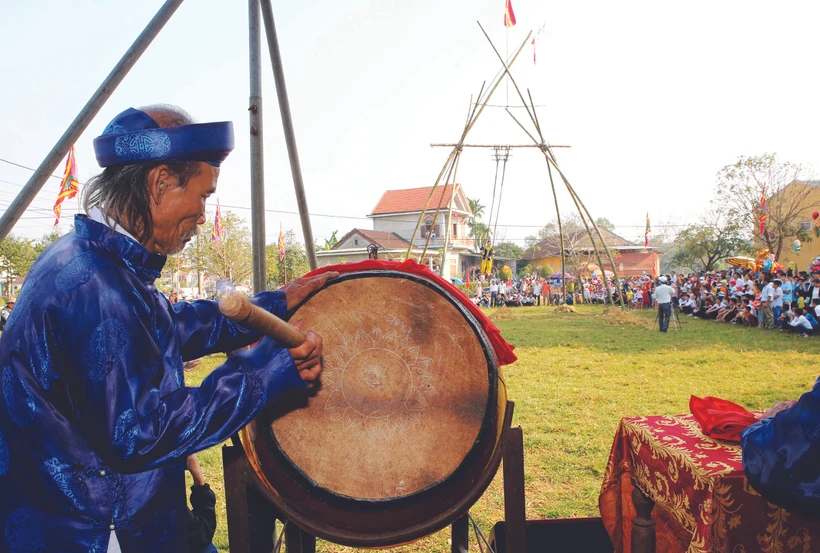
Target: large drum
399	439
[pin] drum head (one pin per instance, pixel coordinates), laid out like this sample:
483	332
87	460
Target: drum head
405	414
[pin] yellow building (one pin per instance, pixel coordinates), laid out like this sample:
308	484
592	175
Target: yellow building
810	204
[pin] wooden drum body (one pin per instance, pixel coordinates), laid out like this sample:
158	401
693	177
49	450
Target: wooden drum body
399	439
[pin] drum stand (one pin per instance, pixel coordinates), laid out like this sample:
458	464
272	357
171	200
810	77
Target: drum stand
252	519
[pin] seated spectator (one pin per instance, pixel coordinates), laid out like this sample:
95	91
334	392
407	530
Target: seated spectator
800	324
687	304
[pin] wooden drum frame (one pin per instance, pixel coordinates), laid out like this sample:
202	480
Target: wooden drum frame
403	435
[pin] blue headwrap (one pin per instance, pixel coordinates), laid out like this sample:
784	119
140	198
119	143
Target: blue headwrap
134	137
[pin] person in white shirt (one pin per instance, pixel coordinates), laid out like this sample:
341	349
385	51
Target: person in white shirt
536	291
800	324
777	300
663	296
493	292
766	298
687	304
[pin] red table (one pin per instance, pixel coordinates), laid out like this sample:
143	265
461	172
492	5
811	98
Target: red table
703	502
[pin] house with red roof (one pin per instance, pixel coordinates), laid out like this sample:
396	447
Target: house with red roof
397	216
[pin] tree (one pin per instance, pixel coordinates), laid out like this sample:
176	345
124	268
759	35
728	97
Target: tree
478	230
701	245
231	257
294	265
16	257
742	185
329	243
603	222
509	249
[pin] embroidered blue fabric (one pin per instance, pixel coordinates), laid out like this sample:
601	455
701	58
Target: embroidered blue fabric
95	422
134	137
781	456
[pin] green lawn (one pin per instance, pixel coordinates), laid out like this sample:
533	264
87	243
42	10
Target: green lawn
579	373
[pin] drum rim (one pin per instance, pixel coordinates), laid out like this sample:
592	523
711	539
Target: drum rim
481	458
479	444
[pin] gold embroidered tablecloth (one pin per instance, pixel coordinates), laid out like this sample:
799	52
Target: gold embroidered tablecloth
703	502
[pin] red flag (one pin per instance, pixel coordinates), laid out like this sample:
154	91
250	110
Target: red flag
281	244
216	234
533	51
509	15
69	186
763	212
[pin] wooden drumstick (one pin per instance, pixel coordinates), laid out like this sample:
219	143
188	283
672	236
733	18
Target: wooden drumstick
238	308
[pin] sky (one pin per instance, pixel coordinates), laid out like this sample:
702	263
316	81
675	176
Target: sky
654	98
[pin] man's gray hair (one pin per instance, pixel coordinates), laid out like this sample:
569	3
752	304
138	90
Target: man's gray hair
122	192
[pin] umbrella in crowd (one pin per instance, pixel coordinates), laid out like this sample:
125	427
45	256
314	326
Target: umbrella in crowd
597	274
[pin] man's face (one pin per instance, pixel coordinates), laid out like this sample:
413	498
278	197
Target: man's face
176	211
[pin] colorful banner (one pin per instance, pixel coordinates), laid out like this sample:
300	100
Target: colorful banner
216	234
281	244
646	234
69	186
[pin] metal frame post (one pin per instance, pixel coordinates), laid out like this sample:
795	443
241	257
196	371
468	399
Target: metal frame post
256	147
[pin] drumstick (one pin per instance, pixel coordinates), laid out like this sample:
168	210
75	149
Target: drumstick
238	308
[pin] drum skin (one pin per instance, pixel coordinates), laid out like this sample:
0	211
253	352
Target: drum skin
401	433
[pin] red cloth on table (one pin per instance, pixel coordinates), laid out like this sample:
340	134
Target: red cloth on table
719	418
503	350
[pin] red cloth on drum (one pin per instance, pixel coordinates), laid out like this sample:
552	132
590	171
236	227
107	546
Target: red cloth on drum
719	418
503	350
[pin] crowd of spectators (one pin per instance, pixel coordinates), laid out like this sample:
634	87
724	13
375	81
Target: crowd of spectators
782	300
787	300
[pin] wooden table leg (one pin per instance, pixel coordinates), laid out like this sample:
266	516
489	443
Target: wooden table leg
643	525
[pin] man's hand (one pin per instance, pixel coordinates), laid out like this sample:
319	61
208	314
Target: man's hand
192	466
308	356
299	289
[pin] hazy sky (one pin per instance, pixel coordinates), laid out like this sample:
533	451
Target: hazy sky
654	98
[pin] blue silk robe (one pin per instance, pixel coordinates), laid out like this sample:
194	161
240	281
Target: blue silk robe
95	419
781	456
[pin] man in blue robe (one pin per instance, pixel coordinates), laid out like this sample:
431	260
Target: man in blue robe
781	454
95	418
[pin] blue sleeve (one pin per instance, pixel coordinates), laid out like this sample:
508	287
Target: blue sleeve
126	377
202	329
781	456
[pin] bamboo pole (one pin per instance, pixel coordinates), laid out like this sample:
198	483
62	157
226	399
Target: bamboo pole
92	107
438	208
447	225
287	127
476	114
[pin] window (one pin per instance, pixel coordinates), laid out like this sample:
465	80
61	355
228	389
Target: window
455	230
805	225
428	228
356	242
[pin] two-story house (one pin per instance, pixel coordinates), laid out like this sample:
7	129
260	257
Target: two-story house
395	218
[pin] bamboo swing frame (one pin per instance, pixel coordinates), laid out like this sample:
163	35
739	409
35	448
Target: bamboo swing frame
451	164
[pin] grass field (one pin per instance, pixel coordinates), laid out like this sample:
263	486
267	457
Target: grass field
579	373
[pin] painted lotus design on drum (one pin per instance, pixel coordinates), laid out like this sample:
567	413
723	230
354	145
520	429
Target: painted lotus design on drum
378	384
